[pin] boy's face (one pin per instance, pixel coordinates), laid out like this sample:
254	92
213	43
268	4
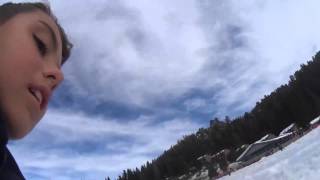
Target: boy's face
30	58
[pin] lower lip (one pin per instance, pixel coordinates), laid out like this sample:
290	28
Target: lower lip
35	99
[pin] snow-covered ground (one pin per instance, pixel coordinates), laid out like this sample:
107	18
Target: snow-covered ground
298	161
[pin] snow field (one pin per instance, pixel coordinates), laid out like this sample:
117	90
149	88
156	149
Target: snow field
298	161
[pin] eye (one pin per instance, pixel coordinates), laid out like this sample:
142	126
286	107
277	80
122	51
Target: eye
40	45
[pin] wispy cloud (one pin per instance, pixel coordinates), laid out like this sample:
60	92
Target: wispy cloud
255	46
144	73
93	145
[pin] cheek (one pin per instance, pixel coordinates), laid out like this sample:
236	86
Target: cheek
27	63
21	58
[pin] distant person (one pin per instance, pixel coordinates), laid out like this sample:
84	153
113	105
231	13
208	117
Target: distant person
33	47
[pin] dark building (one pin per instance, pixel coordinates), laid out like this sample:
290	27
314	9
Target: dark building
263	147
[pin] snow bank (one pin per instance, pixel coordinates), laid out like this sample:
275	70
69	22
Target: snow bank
298	161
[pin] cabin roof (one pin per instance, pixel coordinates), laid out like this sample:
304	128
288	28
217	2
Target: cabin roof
316	120
285	130
266	137
260	144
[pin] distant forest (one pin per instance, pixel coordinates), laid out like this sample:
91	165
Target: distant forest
298	101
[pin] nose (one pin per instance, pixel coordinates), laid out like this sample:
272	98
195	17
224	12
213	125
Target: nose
54	76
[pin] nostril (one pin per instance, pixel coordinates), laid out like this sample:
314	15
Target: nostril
52	77
52	81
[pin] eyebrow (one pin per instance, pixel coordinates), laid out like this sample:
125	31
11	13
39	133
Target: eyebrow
53	35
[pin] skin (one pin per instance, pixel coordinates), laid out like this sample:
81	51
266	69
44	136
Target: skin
24	65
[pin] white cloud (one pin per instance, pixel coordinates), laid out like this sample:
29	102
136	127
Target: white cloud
138	57
142	52
198	104
276	38
50	145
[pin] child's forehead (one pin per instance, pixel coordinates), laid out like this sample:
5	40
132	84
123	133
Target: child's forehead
30	18
37	15
34	19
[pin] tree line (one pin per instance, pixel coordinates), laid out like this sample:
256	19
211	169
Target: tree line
298	101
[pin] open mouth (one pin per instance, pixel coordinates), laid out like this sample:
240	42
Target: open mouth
41	94
37	94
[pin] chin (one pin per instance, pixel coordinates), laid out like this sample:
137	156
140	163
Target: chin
19	123
18	131
15	135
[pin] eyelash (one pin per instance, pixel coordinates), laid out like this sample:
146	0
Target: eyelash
40	45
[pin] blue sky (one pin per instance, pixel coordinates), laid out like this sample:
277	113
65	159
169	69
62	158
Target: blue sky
144	73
